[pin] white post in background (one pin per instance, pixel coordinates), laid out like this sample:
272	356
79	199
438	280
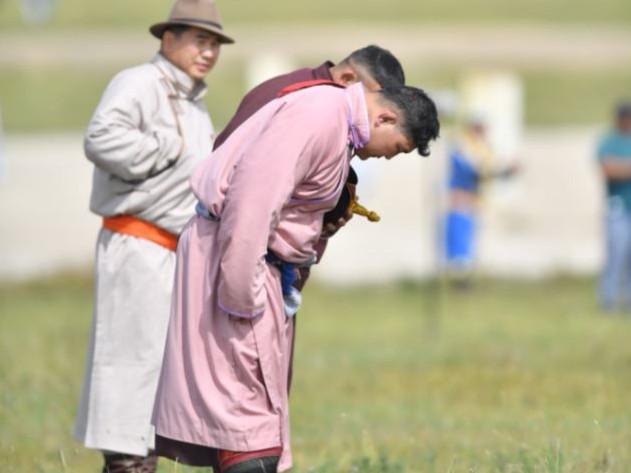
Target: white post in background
266	65
498	98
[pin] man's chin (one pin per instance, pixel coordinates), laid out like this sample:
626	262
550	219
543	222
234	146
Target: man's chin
198	73
361	154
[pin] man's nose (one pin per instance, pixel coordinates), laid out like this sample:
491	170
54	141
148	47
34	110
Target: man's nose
210	52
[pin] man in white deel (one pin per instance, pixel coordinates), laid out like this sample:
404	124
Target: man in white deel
148	133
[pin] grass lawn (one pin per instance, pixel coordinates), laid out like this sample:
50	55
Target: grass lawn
409	378
125	13
59	99
64	98
41	98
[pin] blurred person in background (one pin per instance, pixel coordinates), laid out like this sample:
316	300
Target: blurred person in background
223	394
149	131
372	65
471	164
37	12
614	156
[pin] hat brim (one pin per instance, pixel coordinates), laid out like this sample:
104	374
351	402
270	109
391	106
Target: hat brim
157	30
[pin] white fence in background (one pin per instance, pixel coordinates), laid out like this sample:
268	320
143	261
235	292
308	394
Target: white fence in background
546	220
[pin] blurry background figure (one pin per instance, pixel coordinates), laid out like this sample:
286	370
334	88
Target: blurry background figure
37	12
491	103
496	97
471	163
614	155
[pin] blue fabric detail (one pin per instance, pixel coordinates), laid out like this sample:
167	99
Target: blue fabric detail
462	173
460	237
615	144
615	280
203	212
288	273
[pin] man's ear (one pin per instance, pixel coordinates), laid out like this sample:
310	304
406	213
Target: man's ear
167	40
349	77
387	117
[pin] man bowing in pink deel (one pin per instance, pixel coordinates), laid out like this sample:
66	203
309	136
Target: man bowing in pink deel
222	396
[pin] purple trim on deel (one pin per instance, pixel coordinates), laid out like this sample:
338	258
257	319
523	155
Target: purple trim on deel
237	314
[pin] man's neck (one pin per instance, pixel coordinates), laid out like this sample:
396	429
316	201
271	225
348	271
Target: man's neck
179	79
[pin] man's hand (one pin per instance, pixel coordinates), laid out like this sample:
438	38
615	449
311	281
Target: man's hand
615	168
512	169
331	228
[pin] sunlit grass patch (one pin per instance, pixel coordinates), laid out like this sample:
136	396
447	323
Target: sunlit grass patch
509	377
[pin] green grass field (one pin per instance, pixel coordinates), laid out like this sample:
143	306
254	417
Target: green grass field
409	378
42	98
125	13
61	99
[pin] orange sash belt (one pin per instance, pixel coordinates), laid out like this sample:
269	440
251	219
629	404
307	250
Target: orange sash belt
141	229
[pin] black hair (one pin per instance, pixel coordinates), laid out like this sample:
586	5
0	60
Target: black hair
176	29
623	110
420	117
380	63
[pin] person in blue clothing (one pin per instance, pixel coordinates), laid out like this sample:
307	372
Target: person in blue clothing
471	163
614	156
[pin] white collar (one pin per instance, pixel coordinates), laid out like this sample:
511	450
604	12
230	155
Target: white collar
182	85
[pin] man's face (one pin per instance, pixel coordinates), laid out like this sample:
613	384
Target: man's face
624	124
195	51
386	140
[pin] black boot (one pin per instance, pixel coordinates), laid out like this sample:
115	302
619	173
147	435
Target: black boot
123	463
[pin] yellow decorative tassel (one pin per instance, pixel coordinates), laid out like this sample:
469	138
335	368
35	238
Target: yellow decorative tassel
359	209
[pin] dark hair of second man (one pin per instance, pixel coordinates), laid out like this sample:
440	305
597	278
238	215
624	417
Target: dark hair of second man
420	117
380	63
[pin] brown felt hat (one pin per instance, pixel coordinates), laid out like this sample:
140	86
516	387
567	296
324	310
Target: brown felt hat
201	14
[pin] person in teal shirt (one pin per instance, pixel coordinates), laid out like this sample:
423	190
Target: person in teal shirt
614	156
